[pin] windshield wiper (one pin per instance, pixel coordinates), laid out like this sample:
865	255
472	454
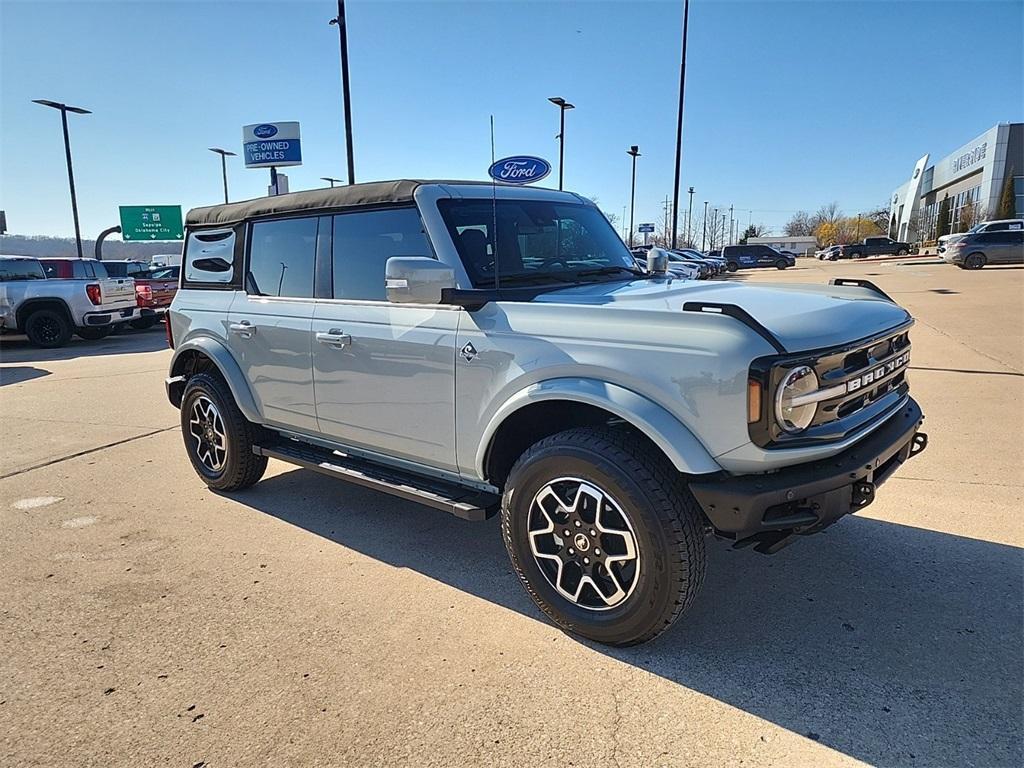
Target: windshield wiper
611	271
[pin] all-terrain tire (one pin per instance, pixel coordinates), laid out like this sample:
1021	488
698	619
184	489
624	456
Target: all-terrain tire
48	328
240	467
660	510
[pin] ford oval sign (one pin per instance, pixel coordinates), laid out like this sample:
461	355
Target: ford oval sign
520	169
265	131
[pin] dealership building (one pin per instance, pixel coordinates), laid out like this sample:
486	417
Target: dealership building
972	177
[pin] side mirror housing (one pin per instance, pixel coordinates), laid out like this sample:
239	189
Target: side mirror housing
657	261
417	279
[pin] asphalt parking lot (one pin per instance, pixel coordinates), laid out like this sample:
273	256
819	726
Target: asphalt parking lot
145	620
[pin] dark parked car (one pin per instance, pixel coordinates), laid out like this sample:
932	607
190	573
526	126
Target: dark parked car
754	256
874	246
977	250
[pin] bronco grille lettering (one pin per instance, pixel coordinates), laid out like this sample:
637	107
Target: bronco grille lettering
878	373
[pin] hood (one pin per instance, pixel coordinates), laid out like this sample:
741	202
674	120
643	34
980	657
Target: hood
801	316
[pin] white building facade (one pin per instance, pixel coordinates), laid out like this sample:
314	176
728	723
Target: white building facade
798	245
972	177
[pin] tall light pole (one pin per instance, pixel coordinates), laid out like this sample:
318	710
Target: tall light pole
345	92
679	124
331	179
689	218
562	105
704	236
723	230
634	152
730	224
224	154
64	109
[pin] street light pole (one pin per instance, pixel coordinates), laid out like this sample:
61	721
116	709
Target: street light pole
634	152
223	167
330	179
346	97
689	218
704	236
562	105
64	109
730	224
679	125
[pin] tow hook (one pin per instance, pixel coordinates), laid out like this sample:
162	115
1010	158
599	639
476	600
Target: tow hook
919	443
863	494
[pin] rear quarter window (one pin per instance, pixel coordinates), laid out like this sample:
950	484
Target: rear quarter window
211	259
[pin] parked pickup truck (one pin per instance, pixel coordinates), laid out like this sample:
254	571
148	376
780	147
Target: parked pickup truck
154	288
49	310
488	349
874	246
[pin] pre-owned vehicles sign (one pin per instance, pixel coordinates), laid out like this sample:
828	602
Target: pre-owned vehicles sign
271	144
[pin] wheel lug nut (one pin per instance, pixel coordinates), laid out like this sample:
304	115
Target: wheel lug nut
577	523
593	532
565	532
586	561
597	551
572	551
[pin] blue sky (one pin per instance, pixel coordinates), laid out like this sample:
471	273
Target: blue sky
789	104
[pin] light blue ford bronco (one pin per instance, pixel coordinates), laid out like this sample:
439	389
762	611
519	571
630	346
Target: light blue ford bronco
487	348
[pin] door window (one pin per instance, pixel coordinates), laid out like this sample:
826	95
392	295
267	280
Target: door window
282	254
362	244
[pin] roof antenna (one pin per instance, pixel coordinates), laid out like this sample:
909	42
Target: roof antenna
494	209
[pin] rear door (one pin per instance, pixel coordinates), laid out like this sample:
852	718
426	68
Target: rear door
384	374
1002	247
270	321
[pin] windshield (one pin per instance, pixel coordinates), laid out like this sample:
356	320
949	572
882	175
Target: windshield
538	242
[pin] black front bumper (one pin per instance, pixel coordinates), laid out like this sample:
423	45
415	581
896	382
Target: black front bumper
768	510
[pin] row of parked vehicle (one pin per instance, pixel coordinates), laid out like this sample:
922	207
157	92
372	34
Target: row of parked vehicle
689	263
52	299
869	246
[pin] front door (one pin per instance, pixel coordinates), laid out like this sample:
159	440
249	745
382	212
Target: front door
384	374
269	326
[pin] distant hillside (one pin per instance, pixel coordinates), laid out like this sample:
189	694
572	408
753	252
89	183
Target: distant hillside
40	245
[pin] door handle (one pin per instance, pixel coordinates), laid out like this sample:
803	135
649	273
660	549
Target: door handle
334	338
245	329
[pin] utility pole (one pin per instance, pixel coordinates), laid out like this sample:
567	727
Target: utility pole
345	92
679	124
634	152
64	109
704	236
730	223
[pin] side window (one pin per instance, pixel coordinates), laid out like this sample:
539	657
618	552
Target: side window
83	269
363	243
210	256
281	258
100	269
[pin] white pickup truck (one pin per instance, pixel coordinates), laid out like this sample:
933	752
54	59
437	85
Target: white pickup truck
50	309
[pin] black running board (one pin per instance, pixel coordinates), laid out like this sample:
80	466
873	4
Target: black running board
467	503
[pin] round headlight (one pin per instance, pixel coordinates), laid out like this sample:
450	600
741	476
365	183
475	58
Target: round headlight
791	415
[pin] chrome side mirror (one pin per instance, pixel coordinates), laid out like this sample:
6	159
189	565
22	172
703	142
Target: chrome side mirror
417	279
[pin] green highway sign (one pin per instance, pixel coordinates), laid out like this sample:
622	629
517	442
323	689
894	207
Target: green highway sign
151	222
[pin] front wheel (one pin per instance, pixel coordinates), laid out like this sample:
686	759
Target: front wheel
94	333
603	534
732	266
218	438
974	261
902	252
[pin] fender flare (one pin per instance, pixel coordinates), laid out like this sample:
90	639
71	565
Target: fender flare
229	370
676	441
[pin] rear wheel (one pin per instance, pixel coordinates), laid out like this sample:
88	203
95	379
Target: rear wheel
94	333
856	255
902	252
603	534
48	328
218	438
975	261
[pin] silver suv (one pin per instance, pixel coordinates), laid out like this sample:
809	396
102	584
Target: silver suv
484	349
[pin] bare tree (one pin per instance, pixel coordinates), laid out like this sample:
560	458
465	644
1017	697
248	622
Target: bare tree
800	225
828	214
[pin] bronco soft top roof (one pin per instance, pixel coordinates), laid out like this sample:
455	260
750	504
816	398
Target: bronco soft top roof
368	193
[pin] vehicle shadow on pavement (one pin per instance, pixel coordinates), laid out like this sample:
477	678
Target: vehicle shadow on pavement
892	644
18	349
16	374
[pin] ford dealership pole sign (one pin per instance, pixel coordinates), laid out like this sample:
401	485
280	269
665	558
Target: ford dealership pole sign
520	169
269	145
